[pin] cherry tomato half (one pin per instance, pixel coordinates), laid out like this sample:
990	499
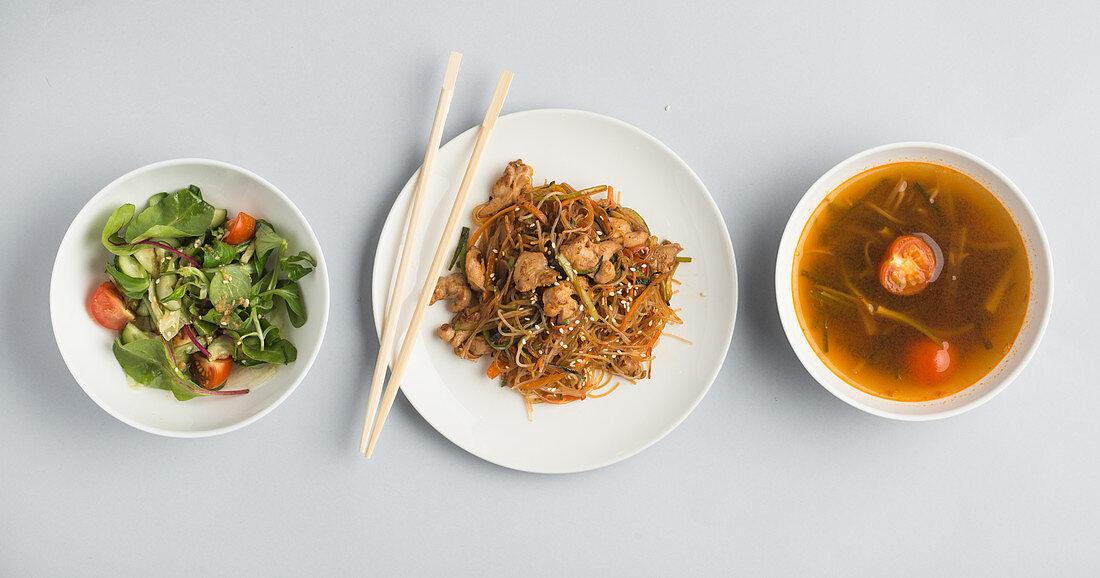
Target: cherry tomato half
928	362
908	266
108	307
210	373
240	229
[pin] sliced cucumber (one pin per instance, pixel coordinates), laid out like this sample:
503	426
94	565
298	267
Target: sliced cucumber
170	324
173	305
219	218
130	266
183	351
222	347
165	284
248	252
142	308
131	333
147	257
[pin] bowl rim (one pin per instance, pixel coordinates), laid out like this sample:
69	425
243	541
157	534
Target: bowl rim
307	360
793	330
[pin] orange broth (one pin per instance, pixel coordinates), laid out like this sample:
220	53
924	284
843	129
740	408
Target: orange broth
868	335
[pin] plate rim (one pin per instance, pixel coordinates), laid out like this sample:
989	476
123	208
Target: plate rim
381	290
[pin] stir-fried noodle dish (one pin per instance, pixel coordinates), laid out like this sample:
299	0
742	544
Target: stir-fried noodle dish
565	290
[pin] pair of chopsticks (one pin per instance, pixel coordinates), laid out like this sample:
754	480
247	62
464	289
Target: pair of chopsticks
367	443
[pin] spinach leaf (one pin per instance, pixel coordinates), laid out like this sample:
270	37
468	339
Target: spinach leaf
267	240
220	254
229	320
229	286
146	362
110	236
290	294
275	350
132	287
180	214
293	267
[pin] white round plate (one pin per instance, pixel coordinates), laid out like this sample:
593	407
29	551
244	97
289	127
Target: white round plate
583	149
86	347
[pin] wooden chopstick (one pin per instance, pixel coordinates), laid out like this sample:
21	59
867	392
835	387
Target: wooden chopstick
389	324
440	255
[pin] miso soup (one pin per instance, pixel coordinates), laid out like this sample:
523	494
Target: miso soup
911	281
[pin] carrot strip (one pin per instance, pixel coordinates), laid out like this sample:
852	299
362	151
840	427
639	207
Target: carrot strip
494	370
481	229
542	381
634	305
536	212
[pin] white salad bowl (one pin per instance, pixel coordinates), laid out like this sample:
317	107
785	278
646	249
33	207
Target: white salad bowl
86	346
1038	255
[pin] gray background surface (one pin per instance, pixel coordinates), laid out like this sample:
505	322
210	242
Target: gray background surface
332	102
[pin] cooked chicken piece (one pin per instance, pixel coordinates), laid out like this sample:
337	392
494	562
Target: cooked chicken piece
450	333
453	287
445	332
581	254
664	255
531	271
635	238
606	249
606	273
477	347
619	227
475	269
558	300
602	251
460	337
516	178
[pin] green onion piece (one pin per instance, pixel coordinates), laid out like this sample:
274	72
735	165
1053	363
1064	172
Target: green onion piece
896	316
927	197
572	194
564	368
493	342
879	188
585	298
460	250
683	259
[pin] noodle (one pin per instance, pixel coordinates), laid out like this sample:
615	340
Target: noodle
559	325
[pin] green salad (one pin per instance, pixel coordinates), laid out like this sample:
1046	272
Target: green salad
193	294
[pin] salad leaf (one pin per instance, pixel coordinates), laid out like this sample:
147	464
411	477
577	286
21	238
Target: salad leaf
267	240
146	362
293	267
275	349
290	294
231	320
181	214
110	236
221	253
132	287
229	286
